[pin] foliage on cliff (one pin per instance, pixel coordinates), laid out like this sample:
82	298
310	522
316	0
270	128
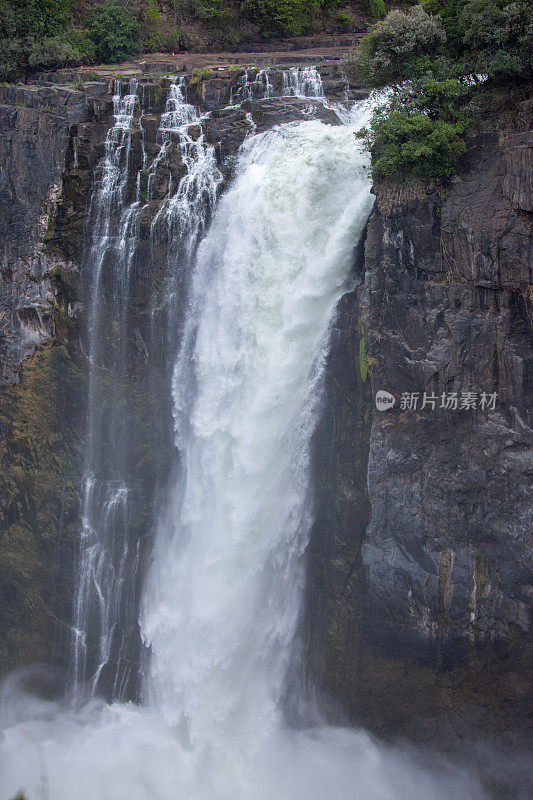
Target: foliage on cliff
442	62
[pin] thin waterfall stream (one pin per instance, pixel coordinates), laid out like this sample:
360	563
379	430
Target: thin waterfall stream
267	263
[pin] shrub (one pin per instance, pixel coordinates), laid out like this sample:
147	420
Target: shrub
40	19
376	9
388	53
23	23
405	143
68	48
345	18
81	40
275	17
498	37
12	57
114	31
52	52
213	11
152	29
419	131
175	39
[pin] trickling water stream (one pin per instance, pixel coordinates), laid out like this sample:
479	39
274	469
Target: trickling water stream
222	599
106	570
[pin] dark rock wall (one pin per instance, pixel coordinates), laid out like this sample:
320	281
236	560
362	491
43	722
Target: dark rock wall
43	385
422	622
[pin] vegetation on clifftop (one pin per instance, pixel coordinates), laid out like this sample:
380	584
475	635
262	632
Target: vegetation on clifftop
43	34
443	62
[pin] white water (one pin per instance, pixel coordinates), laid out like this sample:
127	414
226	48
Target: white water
105	568
223	597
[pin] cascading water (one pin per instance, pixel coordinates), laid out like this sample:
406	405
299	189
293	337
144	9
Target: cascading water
269	273
106	568
295	82
184	212
256	87
302	82
105	613
222	600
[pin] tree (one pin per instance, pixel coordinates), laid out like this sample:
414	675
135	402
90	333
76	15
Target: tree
389	52
281	17
405	143
114	31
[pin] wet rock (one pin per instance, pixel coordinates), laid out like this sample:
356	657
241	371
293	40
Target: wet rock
267	113
422	623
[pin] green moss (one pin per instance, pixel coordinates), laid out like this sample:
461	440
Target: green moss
363	363
366	361
40	466
481	571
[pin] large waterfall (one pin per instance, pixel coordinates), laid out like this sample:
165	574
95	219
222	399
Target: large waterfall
222	599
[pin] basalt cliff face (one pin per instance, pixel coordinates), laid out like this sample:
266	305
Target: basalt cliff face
421	557
419	566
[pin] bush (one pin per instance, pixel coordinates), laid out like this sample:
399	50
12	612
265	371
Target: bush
175	39
213	11
388	54
23	23
345	18
376	9
114	31
71	47
40	19
420	130
405	143
498	38
280	17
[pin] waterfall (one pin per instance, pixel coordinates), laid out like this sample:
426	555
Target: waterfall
105	625
302	82
295	82
106	568
258	87
222	599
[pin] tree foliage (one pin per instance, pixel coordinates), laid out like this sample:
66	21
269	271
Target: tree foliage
436	58
114	31
25	25
419	131
390	50
70	47
284	17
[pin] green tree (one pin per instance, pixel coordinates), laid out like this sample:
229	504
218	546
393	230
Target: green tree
281	17
73	46
420	130
25	22
498	38
406	143
114	31
390	51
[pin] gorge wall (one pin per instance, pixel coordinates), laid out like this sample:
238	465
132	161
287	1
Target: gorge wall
419	566
421	558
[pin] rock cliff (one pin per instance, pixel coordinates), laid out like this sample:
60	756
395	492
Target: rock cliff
421	582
